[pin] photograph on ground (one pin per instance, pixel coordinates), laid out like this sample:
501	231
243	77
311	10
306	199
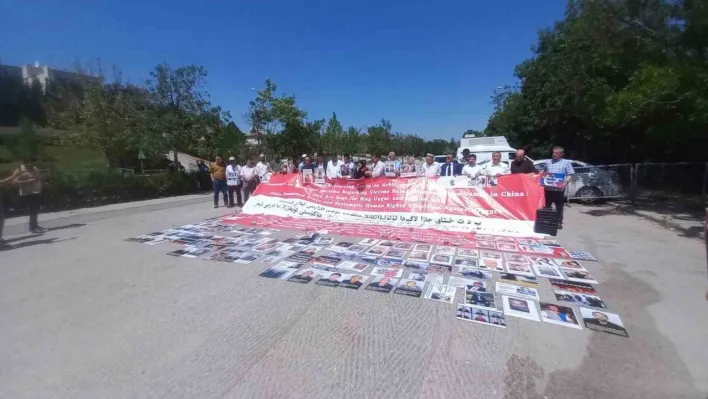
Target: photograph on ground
560	315
477	314
602	321
521	308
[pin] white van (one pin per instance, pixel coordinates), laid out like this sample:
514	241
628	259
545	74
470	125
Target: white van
484	147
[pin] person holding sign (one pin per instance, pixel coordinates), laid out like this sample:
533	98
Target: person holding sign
377	167
233	182
555	194
346	169
409	168
451	167
472	170
494	169
333	168
262	168
430	167
361	171
393	165
521	164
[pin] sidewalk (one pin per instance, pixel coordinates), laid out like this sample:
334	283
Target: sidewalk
152	204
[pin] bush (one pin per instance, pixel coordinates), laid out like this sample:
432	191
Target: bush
62	191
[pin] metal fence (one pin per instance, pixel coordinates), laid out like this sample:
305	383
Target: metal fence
687	182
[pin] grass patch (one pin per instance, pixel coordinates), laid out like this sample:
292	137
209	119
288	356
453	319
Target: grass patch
60	158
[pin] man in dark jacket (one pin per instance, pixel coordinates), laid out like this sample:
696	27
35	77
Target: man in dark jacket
521	164
451	167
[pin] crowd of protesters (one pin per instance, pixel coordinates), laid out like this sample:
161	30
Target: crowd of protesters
232	178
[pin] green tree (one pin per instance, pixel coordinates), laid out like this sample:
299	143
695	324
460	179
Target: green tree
272	115
378	139
614	81
332	139
113	118
182	110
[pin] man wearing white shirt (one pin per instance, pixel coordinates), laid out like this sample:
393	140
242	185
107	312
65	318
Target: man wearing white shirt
249	178
495	169
471	169
262	168
333	168
377	167
233	182
430	167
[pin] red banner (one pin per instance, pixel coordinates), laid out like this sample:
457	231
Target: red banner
420	209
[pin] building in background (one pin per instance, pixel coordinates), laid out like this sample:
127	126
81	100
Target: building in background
43	74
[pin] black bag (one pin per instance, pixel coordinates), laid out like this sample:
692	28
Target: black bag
546	222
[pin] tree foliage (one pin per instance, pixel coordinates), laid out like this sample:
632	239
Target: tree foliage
614	81
184	111
112	118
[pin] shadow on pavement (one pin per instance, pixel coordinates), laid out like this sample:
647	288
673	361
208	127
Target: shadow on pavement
28	236
68	226
687	222
33	243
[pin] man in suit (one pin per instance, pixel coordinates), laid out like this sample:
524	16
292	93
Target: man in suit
451	167
353	282
477	286
383	284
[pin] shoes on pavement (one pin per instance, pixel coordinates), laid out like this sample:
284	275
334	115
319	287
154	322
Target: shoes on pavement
560	226
216	206
38	230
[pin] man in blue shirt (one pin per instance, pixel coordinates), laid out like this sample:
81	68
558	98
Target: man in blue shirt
302	162
556	195
307	164
451	167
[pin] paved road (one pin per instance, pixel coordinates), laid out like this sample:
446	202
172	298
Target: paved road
85	314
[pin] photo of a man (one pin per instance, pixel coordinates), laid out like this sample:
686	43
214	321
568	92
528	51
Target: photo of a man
410	288
354	282
519	305
603	322
522	308
381	284
303	277
332	280
477	286
484	299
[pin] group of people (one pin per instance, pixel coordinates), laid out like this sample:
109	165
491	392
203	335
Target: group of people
28	182
229	179
390	166
232	178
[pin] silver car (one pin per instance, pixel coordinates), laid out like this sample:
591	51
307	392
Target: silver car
590	183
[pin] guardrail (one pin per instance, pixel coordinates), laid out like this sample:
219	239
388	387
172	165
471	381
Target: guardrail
684	181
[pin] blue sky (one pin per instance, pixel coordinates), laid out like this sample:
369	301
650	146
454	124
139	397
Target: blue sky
429	67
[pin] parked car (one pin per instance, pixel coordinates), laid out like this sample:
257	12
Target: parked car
589	184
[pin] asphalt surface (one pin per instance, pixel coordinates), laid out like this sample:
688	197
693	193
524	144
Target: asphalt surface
85	314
